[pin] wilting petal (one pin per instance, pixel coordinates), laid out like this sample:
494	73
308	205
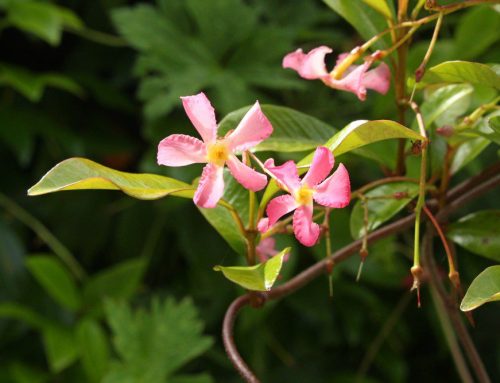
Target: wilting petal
253	129
335	191
286	174
202	116
378	79
211	186
278	207
245	175
309	66
321	166
266	249
180	150
305	230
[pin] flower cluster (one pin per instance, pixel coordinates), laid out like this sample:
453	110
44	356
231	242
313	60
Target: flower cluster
216	152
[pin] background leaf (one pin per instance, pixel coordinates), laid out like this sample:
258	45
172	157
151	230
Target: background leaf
61	347
462	71
484	288
94	349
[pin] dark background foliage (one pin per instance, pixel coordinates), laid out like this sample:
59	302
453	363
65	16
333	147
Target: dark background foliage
66	90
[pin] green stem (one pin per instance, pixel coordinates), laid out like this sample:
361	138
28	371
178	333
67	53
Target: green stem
419	73
41	230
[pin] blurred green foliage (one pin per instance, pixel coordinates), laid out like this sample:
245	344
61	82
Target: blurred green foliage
102	80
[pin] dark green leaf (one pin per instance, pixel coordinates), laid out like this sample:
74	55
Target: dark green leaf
462	71
478	232
484	288
94	349
55	279
293	131
381	210
15	311
80	173
260	277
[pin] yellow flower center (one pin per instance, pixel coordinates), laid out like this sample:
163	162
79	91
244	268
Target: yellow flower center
303	196
218	153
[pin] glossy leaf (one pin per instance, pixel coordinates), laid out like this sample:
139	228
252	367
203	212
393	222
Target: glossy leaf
293	131
55	279
260	277
483	289
61	347
81	173
94	349
467	151
479	233
360	133
462	71
366	20
382	209
119	282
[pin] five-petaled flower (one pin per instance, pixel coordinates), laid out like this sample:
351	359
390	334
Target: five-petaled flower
355	78
180	149
333	192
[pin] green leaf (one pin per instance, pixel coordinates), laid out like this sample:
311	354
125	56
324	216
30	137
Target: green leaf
118	282
479	233
32	85
260	277
362	132
381	210
25	373
467	151
153	344
94	349
462	71
15	311
199	378
44	20
223	220
55	279
366	20
61	347
381	6
80	173
293	131
483	289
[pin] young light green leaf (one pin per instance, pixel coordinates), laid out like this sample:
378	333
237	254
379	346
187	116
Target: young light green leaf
61	347
94	349
381	6
484	288
366	20
362	132
260	277
55	279
120	282
293	131
462	71
81	173
479	233
382	206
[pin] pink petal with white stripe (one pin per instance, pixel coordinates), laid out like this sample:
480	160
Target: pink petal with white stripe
202	116
378	79
335	191
252	130
321	166
278	207
286	174
305	230
180	150
211	186
245	175
309	66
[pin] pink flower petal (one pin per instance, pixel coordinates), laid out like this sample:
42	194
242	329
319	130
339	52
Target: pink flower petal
252	130
305	230
335	191
286	174
352	80
180	150
321	166
202	116
278	207
309	66
378	79
211	186
263	225
245	175
266	249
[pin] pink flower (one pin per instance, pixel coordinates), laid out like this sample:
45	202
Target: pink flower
334	192
180	149
355	78
266	249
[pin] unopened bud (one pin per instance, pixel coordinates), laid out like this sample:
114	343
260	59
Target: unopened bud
445	131
455	279
400	195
